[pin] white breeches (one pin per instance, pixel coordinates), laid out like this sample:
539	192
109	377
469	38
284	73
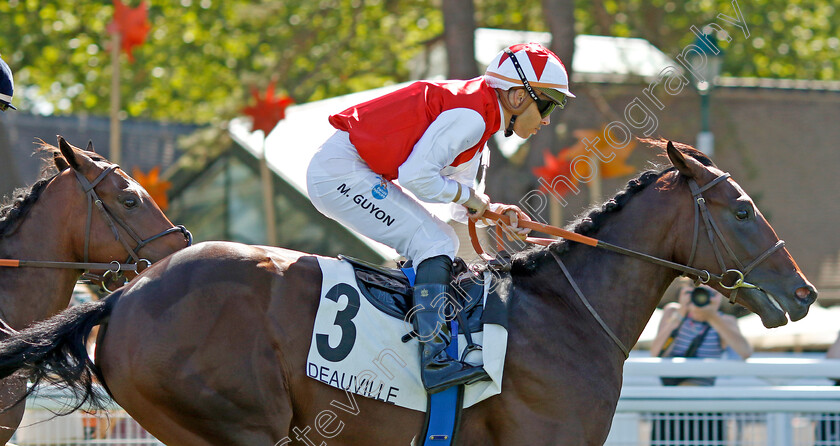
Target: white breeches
342	187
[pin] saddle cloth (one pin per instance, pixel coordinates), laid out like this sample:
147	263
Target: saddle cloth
358	346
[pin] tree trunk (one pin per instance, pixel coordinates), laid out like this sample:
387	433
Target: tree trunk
509	182
560	18
459	36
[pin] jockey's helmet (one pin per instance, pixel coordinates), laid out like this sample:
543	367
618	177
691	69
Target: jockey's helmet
532	66
7	87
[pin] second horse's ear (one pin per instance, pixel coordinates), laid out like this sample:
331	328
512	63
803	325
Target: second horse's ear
74	158
60	162
90	146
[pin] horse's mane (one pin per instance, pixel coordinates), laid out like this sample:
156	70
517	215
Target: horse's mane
13	208
592	219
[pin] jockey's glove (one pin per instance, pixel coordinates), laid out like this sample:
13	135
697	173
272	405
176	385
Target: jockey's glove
476	204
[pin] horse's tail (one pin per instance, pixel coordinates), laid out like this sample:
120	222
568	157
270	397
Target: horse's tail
54	351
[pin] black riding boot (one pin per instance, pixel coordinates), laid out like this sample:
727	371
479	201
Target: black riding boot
439	370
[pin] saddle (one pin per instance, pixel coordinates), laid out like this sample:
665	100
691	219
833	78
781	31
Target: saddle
389	291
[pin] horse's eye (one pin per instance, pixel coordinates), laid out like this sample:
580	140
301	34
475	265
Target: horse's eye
130	202
742	214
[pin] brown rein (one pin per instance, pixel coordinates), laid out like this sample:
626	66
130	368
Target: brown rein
575	237
701	212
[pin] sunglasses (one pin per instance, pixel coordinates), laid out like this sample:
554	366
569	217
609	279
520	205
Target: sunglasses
4	106
546	106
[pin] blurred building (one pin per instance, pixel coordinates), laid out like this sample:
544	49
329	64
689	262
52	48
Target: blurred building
145	144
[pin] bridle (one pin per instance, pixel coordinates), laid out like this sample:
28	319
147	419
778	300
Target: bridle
712	230
701	211
134	263
133	260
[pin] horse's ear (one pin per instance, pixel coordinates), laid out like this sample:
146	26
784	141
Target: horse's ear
75	159
90	146
60	162
686	165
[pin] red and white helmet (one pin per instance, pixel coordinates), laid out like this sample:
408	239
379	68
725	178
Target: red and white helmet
541	68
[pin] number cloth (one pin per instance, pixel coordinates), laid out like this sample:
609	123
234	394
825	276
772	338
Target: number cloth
358	348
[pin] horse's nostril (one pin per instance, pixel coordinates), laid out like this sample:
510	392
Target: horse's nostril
806	293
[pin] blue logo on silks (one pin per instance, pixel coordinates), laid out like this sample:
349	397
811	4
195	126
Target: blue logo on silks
380	191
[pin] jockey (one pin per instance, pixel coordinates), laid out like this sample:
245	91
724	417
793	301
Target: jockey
7	87
430	136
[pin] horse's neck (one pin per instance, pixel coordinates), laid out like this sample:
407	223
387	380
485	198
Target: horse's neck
30	294
623	291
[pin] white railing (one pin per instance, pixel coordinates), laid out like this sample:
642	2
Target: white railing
41	427
759	402
763	401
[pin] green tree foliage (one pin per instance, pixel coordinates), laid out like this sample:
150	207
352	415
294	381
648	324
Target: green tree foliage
795	39
202	56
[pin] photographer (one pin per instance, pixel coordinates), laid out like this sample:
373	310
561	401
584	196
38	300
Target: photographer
694	327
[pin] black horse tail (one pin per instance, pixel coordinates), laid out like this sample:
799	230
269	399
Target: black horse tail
54	351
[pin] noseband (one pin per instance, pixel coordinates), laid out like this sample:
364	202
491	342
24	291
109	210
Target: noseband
133	261
714	234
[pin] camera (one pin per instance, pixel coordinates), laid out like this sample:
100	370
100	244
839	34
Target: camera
700	296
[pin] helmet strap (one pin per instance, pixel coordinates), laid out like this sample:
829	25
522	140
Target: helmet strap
521	74
528	88
509	129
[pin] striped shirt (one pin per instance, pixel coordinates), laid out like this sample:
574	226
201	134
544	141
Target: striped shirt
710	347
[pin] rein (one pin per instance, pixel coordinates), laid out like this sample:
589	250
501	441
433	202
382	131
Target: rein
702	276
113	268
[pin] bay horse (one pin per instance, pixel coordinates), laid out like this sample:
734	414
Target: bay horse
45	232
209	346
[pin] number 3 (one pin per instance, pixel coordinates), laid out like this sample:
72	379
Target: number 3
343	319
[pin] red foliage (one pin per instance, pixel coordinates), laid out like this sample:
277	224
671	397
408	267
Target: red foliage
132	24
554	167
268	111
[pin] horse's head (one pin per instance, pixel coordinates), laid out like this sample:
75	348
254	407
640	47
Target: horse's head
124	221
731	239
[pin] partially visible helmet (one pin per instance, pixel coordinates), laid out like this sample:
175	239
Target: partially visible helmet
7	87
542	69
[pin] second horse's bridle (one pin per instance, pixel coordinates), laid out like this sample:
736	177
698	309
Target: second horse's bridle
133	258
133	261
114	269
